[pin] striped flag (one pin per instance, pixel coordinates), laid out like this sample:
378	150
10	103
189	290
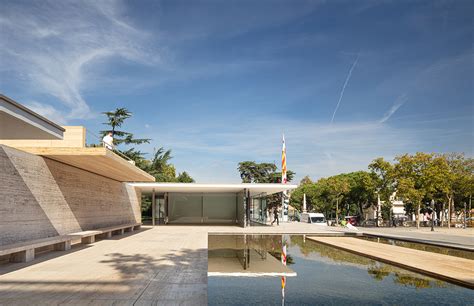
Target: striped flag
284	180
283	162
283	278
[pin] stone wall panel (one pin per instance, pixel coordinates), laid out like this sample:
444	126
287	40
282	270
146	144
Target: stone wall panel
40	197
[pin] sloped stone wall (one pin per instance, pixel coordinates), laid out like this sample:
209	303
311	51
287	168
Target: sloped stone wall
40	197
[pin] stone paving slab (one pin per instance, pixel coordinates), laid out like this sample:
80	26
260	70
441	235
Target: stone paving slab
450	268
164	265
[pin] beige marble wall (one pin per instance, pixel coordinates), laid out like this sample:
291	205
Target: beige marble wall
40	197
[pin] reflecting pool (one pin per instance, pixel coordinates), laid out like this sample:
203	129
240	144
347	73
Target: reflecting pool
247	269
422	247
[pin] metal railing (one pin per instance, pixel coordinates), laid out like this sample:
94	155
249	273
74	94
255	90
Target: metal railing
114	149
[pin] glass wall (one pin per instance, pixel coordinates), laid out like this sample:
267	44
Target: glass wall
160	209
220	208
184	208
258	210
202	208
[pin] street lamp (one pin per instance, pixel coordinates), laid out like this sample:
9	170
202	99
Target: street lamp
432	215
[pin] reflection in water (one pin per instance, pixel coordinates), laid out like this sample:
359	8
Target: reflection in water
422	247
316	274
379	271
402	277
247	255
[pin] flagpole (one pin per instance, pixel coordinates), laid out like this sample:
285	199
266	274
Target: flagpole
284	198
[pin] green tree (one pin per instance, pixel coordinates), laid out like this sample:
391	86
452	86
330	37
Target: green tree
138	157
252	172
184	177
248	171
362	187
383	178
320	197
115	119
458	180
160	160
417	178
160	167
306	180
339	187
307	187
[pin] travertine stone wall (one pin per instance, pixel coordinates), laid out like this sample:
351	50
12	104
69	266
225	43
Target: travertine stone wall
41	198
73	136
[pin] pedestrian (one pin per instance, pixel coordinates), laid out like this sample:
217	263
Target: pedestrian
275	216
108	141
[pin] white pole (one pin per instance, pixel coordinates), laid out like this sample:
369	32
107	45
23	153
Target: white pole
379	208
304	202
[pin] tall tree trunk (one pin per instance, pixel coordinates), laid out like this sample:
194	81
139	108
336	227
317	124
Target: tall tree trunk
337	208
418	215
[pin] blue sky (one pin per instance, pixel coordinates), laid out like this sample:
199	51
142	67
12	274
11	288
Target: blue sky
218	82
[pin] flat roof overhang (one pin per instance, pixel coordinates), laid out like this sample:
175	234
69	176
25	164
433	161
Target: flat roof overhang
98	160
20	122
231	266
255	189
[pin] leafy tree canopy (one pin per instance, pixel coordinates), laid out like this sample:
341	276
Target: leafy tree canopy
252	172
416	178
159	166
115	119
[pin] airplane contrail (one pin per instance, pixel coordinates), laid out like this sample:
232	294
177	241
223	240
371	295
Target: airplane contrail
398	103
344	87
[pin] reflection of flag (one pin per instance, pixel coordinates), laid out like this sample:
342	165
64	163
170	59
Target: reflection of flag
283	254
283	162
283	261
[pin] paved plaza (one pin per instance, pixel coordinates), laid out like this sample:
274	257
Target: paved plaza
160	265
166	265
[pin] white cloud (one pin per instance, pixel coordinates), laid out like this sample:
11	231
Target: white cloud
398	103
211	150
47	111
55	46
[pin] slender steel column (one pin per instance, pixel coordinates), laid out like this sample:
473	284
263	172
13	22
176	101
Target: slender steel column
166	208
153	202
247	209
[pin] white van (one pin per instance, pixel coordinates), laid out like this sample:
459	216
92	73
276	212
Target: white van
313	218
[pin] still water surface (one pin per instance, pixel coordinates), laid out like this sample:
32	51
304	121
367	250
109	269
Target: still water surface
422	247
240	268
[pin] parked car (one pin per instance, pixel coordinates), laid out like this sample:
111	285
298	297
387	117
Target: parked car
314	218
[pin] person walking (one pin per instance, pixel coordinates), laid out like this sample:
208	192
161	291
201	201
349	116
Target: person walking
275	216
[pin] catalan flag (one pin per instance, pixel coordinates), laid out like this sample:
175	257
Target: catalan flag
283	278
283	162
